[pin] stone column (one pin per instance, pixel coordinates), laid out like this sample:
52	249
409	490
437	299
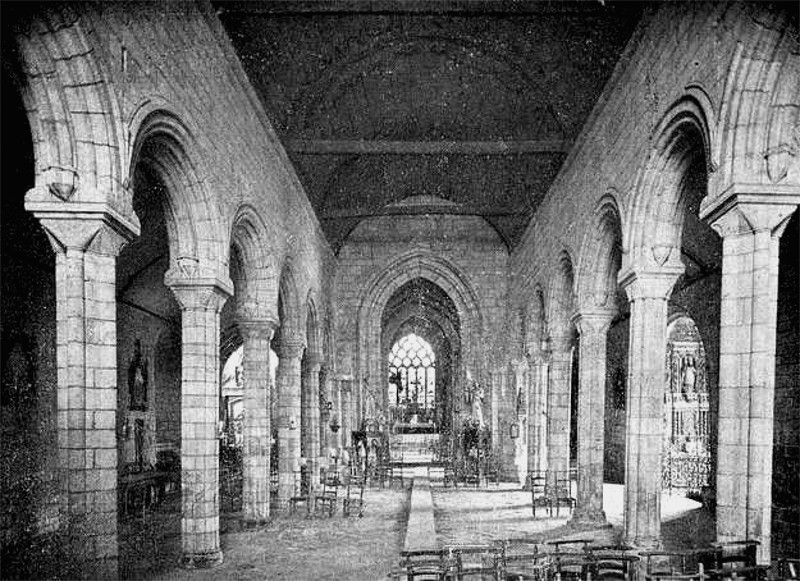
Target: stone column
558	408
288	379
648	293
336	399
345	402
86	245
201	300
257	335
537	416
325	416
593	327
519	414
751	228
310	414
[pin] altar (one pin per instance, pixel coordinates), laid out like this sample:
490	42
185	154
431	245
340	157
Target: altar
415	428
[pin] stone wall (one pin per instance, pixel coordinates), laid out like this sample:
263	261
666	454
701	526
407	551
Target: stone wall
467	245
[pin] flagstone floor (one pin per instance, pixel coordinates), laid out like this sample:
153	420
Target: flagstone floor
355	549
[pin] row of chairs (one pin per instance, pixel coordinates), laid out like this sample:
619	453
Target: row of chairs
326	499
518	560
579	559
551	496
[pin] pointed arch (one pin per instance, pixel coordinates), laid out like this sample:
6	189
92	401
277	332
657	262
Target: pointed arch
657	213
562	294
376	294
165	145
601	255
291	311
250	240
73	110
313	331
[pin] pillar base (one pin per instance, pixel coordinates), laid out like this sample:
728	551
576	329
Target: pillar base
587	518
644	544
202	560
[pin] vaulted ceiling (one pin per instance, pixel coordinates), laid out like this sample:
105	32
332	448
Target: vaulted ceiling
473	102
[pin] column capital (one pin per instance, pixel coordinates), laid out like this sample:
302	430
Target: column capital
651	283
593	321
743	208
313	359
257	328
199	294
290	347
84	226
740	214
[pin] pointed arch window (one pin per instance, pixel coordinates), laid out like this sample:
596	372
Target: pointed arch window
412	373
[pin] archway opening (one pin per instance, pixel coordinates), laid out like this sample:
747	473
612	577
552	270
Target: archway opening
149	367
29	482
421	346
693	338
786	445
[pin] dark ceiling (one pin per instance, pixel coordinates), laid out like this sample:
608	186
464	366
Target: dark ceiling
475	102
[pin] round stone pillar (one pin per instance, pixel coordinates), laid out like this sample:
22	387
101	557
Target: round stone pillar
257	335
648	293
290	352
201	300
86	239
593	327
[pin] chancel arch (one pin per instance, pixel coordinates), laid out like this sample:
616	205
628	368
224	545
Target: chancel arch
421	342
444	275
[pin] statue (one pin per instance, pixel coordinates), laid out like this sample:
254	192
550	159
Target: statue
688	375
137	379
476	393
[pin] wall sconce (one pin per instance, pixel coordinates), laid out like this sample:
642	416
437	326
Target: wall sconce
292	423
514	430
544	345
334	425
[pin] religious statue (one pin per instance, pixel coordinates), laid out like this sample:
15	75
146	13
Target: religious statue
688	375
476	393
137	379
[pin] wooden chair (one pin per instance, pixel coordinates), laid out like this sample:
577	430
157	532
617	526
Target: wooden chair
522	560
478	561
737	560
788	568
539	496
612	565
675	565
570	560
301	496
423	565
561	495
328	497
353	498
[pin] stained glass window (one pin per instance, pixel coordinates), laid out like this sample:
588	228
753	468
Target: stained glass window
412	373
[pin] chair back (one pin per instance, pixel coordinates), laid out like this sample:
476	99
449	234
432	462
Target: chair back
789	568
522	559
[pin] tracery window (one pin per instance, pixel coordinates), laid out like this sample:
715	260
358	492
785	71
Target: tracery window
412	373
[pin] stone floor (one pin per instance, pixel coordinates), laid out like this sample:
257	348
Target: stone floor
481	515
296	548
367	548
